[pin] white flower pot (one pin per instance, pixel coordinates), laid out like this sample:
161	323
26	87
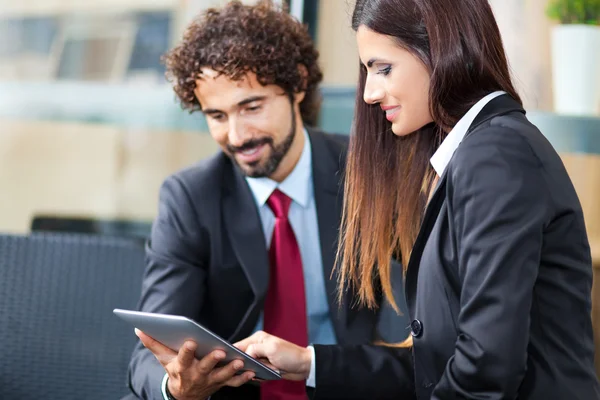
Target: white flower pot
576	69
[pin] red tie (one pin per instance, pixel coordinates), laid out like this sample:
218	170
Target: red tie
285	303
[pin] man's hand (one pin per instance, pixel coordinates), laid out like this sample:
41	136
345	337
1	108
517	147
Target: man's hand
190	378
292	361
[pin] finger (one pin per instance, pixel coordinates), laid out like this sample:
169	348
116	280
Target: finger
257	337
267	364
164	354
210	361
186	354
240	380
258	350
222	375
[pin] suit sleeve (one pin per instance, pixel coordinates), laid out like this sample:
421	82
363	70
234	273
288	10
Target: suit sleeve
498	201
363	372
175	272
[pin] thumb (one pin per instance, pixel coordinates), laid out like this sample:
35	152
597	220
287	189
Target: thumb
243	344
257	350
257	337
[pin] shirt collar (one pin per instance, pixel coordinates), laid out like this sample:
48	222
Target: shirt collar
444	153
296	185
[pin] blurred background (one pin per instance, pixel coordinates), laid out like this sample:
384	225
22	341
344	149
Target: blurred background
90	127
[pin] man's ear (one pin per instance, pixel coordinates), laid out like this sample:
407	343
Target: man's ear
298	97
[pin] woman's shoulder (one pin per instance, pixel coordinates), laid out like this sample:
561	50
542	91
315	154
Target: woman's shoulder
509	154
510	138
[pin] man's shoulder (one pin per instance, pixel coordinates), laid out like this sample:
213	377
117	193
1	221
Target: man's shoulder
205	175
336	139
335	143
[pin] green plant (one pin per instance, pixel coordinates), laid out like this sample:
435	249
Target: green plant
575	11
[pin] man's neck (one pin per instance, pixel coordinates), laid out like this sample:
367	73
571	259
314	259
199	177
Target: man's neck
292	157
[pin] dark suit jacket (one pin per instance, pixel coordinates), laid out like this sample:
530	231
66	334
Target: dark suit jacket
207	258
498	284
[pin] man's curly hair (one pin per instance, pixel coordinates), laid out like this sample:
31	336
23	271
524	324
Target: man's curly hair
238	39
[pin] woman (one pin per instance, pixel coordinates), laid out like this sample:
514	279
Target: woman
446	173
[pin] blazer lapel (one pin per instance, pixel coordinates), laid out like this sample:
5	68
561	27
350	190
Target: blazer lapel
246	235
328	191
431	213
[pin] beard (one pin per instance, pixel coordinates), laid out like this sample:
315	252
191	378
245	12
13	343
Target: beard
265	167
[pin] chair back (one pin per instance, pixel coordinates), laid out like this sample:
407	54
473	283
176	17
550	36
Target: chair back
59	337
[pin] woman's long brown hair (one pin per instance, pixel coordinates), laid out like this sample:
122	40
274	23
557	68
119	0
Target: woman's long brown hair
388	178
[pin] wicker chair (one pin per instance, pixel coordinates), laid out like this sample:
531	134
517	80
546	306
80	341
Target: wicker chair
58	336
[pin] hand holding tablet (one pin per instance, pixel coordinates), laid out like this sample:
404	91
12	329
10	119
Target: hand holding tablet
198	362
172	331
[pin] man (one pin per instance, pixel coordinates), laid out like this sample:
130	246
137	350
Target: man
246	239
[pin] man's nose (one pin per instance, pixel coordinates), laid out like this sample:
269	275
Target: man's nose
235	134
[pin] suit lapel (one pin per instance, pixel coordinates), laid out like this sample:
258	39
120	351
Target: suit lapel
328	192
245	232
431	213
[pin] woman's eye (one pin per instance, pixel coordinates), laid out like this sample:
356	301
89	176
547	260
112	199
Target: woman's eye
385	71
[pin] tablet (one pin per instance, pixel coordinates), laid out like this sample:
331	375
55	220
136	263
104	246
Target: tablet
173	331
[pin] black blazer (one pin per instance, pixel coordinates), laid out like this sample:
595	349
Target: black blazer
499	280
207	257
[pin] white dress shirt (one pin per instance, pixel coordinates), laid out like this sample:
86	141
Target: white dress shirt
444	153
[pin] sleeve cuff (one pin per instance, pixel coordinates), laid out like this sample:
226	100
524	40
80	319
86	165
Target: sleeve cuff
163	387
310	382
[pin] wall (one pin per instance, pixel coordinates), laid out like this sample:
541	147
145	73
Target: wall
336	43
88	170
525	31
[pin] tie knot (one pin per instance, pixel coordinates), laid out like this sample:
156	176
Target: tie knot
279	203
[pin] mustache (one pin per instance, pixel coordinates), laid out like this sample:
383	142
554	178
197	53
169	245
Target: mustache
249	145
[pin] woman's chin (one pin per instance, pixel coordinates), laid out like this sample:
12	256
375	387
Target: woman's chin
401	131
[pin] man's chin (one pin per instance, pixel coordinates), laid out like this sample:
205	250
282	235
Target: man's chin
253	171
257	169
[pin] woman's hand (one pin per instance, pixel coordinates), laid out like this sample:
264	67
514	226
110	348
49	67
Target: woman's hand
293	362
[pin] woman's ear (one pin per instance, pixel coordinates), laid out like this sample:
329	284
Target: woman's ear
299	96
